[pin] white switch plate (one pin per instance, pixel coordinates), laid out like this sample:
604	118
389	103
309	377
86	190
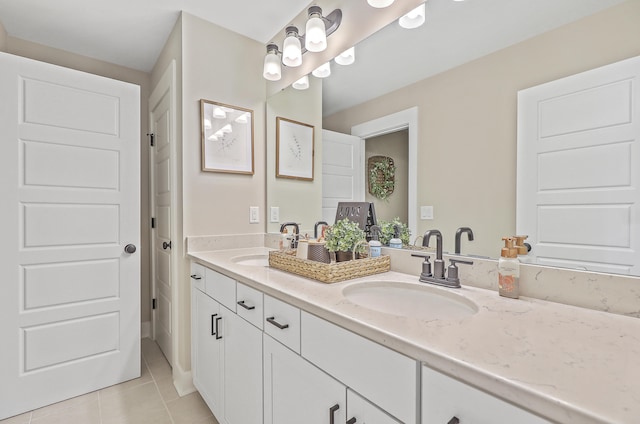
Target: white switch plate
254	214
426	212
274	216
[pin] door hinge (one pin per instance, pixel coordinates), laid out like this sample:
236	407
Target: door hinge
153	304
152	137
153	222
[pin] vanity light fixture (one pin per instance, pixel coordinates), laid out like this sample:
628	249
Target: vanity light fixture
318	28
347	57
302	83
292	49
243	119
272	69
226	129
379	4
218	113
207	123
413	19
213	137
323	70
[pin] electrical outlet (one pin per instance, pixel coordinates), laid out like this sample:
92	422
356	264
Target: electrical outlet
254	214
275	214
426	212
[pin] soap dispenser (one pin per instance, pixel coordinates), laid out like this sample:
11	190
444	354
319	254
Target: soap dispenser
396	242
509	270
375	247
523	249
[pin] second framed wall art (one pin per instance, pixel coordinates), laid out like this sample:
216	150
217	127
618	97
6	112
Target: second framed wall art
294	149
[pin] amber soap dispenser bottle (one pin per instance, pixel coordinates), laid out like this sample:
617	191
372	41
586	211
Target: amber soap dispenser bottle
509	270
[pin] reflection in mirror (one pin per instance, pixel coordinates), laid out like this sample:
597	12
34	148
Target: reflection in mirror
227	138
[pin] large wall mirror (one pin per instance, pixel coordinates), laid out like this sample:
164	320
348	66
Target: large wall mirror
466	101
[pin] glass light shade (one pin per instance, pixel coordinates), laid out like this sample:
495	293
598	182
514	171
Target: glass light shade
213	137
243	119
380	3
272	68
347	57
207	124
302	83
322	71
226	129
292	51
218	134
316	36
413	19
218	113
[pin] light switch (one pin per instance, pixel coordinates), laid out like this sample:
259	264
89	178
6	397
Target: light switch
254	214
426	212
274	216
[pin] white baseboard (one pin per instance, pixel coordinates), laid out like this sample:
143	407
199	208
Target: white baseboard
183	381
145	330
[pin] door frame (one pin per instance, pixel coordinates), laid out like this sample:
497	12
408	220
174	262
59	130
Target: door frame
167	83
405	119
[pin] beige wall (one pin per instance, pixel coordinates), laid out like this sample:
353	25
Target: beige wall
396	146
82	63
467	121
3	39
299	201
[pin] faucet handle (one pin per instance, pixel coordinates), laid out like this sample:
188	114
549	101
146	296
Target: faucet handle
452	270
426	267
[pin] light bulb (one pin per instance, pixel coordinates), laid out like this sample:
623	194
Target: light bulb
292	49
302	83
322	71
380	3
413	19
316	36
347	57
272	68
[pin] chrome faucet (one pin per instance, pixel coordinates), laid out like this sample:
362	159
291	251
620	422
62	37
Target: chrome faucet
296	233
459	232
438	264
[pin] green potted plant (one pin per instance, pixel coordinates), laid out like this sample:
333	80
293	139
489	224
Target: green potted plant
387	230
342	237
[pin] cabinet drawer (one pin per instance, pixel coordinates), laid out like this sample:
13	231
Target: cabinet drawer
385	377
282	322
197	276
364	412
444	397
221	288
250	304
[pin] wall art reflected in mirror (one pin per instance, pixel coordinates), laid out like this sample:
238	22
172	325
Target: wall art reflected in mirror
294	149
227	138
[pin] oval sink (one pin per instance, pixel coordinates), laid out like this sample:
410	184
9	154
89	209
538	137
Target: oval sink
251	260
410	300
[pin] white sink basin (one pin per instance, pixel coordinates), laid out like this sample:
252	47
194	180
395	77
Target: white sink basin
251	260
419	301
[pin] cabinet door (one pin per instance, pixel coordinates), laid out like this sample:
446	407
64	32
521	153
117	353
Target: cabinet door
444	398
242	370
207	353
297	392
361	411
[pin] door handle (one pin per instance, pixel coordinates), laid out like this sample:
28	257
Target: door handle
166	245
213	319
245	306
332	413
218	336
272	320
454	420
351	421
130	248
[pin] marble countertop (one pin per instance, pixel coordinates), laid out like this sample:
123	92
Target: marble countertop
567	364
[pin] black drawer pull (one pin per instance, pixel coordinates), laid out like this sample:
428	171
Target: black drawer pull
196	277
351	421
245	306
332	413
273	321
454	420
218	336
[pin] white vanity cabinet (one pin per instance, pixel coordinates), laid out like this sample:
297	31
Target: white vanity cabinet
226	349
446	400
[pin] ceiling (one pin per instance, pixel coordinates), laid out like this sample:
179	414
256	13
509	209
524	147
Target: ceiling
132	33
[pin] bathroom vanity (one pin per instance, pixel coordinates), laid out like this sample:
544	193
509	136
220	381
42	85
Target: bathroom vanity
274	348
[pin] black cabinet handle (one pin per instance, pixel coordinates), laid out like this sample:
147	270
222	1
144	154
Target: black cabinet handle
351	421
218	336
273	321
245	306
454	420
196	277
213	318
332	413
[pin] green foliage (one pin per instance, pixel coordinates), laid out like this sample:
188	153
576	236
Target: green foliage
343	235
387	231
382	187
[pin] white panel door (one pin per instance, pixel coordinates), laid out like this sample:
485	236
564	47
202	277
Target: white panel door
70	294
579	169
161	109
342	171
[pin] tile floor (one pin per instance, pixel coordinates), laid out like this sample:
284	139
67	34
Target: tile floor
150	399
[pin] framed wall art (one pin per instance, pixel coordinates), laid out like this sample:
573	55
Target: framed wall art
294	149
227	138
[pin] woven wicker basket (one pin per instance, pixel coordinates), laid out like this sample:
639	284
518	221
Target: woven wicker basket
329	273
